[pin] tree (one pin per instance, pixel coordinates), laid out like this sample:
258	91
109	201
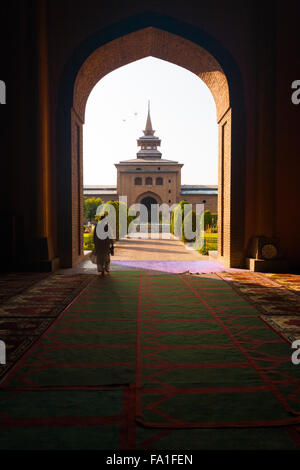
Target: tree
207	219
177	218
214	220
90	207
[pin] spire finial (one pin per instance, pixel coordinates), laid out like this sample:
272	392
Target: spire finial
148	129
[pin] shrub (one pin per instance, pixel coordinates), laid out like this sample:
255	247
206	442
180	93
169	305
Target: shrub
172	222
177	219
207	219
88	242
189	220
214	220
203	250
90	206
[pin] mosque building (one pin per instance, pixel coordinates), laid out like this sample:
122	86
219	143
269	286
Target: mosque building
150	179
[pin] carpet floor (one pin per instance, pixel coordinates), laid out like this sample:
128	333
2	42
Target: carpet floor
289	281
25	315
12	284
141	361
276	296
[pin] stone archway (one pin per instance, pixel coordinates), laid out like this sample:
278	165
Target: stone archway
149	202
153	41
148	194
149	198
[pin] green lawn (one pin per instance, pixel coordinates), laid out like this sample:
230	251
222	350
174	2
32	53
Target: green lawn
88	243
211	235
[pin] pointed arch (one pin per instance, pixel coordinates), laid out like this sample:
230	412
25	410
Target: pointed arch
157	43
148	194
179	43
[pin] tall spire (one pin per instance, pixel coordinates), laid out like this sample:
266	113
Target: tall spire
148	142
148	130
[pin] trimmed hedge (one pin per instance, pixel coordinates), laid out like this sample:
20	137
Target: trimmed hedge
177	219
189	220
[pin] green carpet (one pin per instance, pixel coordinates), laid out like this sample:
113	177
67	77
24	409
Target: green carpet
154	362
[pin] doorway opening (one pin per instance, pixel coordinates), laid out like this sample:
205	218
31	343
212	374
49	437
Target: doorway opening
151	205
207	65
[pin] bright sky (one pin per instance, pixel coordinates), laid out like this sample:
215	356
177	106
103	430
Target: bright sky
183	113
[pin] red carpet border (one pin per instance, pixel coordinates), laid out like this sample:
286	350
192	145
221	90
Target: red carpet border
239	374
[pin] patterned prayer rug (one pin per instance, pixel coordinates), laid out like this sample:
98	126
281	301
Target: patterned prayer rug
14	283
46	298
268	296
289	281
278	302
26	316
143	361
287	325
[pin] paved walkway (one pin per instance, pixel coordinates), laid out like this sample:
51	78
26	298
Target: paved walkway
155	255
154	250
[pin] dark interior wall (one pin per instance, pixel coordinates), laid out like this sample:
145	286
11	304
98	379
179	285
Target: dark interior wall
287	138
18	130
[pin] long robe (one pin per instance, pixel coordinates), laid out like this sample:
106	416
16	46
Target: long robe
102	248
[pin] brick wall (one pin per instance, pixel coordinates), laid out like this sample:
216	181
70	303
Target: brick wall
211	203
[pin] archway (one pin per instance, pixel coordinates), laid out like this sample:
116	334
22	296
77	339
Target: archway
148	202
149	198
226	89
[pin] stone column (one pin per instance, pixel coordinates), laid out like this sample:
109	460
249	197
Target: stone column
264	250
43	244
265	154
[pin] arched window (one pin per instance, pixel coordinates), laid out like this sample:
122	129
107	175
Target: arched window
159	181
149	181
138	181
